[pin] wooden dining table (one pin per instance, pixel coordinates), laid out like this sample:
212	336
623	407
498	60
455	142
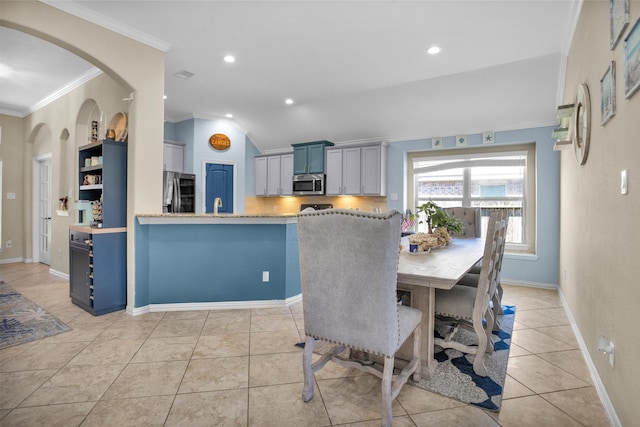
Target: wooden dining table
421	274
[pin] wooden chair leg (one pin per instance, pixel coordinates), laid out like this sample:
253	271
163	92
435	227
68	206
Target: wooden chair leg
387	377
309	382
478	360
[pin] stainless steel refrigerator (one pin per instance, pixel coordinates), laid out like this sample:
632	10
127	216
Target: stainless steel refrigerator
179	192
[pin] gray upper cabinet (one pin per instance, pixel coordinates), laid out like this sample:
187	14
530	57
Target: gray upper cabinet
274	175
261	176
343	171
173	157
356	170
373	166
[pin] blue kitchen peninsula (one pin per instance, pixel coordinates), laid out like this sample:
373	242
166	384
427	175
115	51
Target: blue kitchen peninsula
202	261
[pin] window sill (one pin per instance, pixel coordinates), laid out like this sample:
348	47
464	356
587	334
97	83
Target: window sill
522	257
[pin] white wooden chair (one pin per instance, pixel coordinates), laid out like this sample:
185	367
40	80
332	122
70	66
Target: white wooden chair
471	306
472	222
348	269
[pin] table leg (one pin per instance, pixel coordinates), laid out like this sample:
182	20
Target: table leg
422	298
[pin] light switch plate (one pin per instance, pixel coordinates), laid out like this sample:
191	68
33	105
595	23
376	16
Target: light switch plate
11	196
623	182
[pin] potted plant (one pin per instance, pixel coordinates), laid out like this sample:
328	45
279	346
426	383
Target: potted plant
436	217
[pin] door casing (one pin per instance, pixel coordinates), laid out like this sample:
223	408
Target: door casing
35	201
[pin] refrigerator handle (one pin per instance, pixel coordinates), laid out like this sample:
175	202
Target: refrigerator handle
178	194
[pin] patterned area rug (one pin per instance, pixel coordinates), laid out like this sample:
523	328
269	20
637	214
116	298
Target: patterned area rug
454	376
23	321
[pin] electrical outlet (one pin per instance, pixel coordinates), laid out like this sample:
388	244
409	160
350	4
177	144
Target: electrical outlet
265	276
9	244
606	346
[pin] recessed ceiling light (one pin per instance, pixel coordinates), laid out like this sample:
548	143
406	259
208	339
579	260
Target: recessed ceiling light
288	101
433	50
164	96
229	58
184	74
229	116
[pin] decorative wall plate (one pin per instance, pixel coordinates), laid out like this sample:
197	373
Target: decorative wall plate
219	141
119	125
582	124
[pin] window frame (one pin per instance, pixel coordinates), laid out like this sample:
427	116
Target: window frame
529	196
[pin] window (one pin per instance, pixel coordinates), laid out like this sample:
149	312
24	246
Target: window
489	178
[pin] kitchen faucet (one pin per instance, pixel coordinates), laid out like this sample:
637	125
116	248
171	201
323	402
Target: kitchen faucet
217	203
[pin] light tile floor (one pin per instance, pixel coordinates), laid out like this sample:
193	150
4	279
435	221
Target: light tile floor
240	368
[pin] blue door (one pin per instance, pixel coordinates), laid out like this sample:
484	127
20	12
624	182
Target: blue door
219	183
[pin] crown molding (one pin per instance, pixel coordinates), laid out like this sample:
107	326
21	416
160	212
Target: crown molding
111	24
84	78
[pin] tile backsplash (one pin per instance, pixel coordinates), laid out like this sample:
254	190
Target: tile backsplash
291	204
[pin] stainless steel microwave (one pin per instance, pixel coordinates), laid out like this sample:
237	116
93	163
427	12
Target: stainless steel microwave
308	185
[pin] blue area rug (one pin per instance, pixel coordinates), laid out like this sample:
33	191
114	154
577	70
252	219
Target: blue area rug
454	376
23	321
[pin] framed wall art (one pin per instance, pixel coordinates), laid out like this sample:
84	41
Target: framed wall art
619	19
632	60
608	94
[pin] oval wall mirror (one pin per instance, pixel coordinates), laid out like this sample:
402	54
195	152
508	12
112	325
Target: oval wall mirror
582	124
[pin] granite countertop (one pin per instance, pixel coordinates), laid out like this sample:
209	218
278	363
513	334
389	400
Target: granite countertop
202	218
209	215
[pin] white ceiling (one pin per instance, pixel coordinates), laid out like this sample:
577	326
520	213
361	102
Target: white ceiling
357	70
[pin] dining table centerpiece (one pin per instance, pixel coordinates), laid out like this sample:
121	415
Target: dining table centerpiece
439	224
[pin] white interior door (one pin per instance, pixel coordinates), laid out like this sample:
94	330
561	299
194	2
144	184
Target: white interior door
44	211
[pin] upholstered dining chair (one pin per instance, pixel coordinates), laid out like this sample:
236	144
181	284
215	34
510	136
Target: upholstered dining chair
470	218
348	270
471	306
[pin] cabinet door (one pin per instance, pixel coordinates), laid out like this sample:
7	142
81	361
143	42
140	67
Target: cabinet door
261	176
300	160
273	176
315	158
173	157
351	171
286	175
333	182
371	171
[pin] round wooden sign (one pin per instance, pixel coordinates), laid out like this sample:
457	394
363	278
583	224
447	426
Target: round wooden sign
220	141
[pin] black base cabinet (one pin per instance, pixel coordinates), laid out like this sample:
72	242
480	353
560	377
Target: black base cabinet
97	270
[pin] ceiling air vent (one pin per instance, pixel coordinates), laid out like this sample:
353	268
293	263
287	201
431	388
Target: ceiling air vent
184	74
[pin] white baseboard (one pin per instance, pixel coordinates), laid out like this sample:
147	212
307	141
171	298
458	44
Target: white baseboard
292	300
58	273
225	305
595	377
507	281
11	260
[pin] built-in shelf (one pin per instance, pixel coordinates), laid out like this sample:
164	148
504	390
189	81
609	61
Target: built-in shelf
91	187
91	168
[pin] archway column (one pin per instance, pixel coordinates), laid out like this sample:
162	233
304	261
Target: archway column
136	67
